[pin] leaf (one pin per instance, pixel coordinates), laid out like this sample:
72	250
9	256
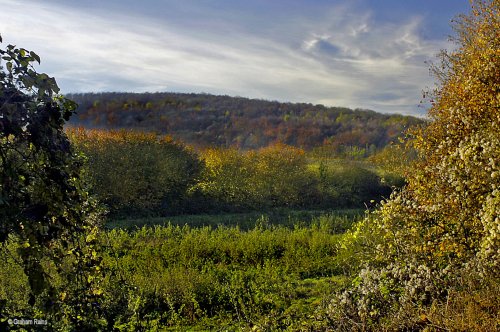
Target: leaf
35	56
54	85
91	237
97	291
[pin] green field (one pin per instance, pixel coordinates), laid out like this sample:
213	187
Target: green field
228	273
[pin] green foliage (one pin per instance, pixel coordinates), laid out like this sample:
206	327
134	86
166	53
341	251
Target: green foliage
136	172
266	278
44	205
225	180
276	176
282	176
351	185
143	174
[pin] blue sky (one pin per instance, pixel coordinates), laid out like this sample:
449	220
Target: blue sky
354	53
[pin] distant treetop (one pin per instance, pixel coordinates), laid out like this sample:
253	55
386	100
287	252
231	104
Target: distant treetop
207	120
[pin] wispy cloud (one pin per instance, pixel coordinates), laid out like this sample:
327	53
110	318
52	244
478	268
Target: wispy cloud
338	57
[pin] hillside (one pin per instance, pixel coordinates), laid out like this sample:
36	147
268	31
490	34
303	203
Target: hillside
207	120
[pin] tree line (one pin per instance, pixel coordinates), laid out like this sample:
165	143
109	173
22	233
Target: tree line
205	120
147	174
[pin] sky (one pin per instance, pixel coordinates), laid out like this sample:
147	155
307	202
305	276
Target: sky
369	54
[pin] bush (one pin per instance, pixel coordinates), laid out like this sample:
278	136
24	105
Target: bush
275	176
440	232
224	181
353	186
136	172
280	177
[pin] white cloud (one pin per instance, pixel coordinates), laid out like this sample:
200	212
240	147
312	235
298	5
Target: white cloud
343	58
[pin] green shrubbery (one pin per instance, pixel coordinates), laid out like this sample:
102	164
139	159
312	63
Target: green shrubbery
351	185
138	173
275	176
47	217
269	277
141	174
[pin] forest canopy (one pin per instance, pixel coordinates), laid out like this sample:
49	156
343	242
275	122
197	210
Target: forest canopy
206	120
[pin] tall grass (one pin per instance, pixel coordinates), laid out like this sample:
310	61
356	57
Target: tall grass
342	218
266	277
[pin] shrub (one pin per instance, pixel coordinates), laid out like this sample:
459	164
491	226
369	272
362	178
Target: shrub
275	176
353	186
137	172
46	213
280	176
442	228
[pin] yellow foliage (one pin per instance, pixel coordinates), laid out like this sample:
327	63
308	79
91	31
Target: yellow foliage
135	170
272	176
451	203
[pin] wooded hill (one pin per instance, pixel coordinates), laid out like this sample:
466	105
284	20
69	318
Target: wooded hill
208	120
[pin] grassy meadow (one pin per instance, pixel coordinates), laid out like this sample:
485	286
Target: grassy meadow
208	273
215	239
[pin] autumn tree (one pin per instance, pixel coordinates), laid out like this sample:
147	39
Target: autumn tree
138	172
443	228
280	176
458	180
